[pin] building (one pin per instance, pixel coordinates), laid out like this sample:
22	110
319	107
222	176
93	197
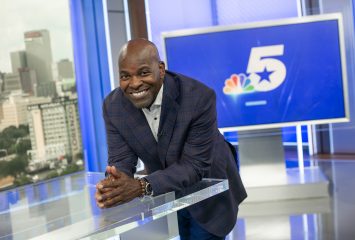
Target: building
28	77
65	68
66	87
39	58
13	109
12	82
46	89
18	60
54	131
28	80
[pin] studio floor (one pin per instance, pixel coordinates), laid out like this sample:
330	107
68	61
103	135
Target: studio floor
316	217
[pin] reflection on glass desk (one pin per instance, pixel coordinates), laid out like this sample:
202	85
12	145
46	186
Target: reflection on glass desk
65	208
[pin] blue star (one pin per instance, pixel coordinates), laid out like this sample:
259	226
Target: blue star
265	75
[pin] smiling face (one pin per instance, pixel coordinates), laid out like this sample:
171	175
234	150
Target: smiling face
141	72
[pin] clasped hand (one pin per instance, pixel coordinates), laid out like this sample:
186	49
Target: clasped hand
117	188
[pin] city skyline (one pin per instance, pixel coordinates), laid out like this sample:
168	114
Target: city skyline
33	69
54	17
40	135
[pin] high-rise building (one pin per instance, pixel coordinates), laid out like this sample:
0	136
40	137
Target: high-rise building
18	60
54	130
63	70
39	58
12	82
28	80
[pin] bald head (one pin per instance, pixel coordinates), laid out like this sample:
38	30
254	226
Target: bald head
139	46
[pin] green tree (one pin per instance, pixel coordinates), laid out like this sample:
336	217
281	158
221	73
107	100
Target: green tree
24	129
10	135
22	180
12	149
70	169
69	157
5	142
23	146
52	175
13	132
16	166
3	169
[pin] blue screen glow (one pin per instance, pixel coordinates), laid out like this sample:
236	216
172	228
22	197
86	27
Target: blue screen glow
266	75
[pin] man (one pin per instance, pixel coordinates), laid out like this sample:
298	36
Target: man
169	121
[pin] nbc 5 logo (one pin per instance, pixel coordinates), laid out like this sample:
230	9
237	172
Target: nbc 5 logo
264	72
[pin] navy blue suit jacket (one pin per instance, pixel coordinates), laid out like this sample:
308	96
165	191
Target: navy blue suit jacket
189	147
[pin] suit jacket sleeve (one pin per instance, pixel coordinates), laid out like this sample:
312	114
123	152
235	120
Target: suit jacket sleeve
120	154
196	157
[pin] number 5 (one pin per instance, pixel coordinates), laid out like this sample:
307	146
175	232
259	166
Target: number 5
259	60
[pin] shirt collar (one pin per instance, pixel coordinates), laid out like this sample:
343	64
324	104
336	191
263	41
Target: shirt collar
158	100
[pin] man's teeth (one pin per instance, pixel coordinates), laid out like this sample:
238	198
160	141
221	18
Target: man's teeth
137	94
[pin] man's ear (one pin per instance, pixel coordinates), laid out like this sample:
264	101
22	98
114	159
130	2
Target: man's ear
161	69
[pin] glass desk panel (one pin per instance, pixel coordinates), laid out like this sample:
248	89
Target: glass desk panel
65	208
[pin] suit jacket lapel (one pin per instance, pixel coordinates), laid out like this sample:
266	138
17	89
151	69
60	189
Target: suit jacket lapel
168	114
139	126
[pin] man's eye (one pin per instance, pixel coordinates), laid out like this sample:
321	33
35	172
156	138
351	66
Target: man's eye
145	73
124	77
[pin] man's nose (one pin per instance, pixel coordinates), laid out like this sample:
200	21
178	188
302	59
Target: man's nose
135	82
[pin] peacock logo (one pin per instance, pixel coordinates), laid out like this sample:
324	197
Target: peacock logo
238	84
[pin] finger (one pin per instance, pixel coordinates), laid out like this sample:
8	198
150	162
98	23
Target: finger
102	182
118	200
113	202
105	190
99	185
98	201
100	204
100	196
108	169
111	194
97	196
115	173
109	182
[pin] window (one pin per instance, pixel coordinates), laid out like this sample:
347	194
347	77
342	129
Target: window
36	93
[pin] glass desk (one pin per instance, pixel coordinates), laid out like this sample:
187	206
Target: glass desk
65	208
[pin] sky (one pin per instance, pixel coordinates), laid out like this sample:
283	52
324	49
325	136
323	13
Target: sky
19	16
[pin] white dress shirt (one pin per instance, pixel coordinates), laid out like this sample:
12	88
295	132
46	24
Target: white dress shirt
153	113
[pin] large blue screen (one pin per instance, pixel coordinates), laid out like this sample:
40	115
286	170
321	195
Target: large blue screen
278	74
